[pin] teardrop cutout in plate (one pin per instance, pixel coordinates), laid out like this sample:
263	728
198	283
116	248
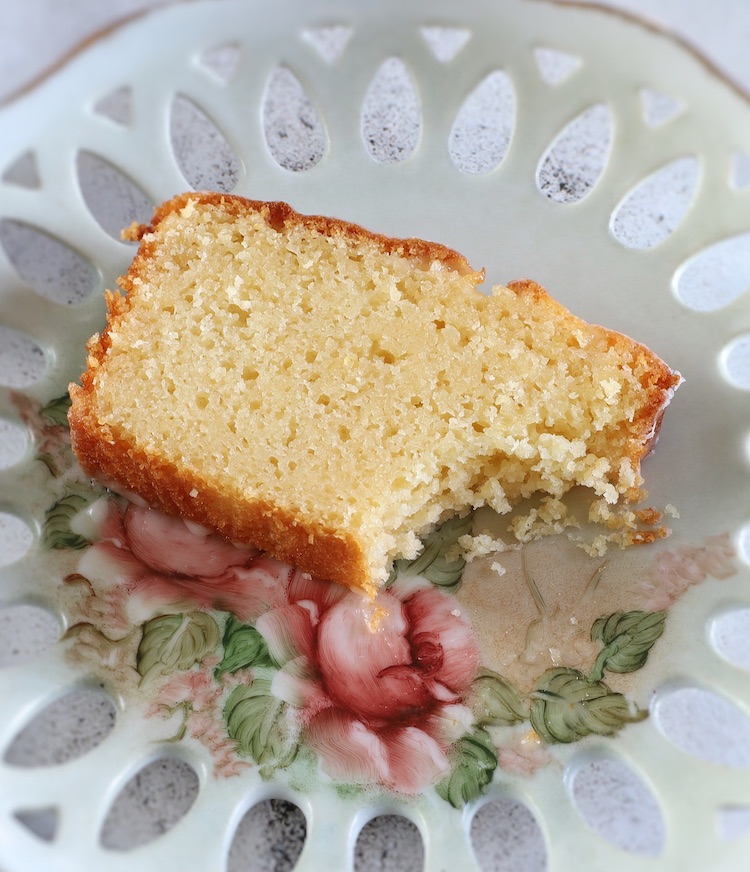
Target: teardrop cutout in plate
577	157
203	154
66	729
154	800
391	113
294	131
704	725
114	200
483	128
22	361
715	277
619	806
270	835
652	211
55	271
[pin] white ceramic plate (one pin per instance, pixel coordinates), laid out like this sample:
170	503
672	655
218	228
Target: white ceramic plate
635	217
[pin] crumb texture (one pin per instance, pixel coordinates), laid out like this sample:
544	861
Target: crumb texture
330	395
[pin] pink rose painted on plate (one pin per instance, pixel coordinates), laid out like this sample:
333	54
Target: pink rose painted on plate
262	664
376	688
675	571
379	686
165	560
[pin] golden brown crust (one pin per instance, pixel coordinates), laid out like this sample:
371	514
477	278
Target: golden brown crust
108	455
278	215
658	380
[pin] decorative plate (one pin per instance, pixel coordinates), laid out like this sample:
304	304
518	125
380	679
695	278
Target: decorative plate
568	703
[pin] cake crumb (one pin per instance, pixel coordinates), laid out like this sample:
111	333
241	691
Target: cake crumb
475	545
596	548
375	617
649	516
549	518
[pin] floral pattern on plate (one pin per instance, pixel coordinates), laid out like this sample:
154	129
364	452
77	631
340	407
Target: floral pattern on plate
263	664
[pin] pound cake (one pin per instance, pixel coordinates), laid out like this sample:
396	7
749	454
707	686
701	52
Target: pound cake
328	394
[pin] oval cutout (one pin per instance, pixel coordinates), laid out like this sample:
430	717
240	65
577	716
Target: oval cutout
506	837
385	838
391	113
294	133
483	128
15	538
577	157
716	276
26	631
735	362
705	726
617	805
732	822
21	360
739	174
651	212
52	268
203	154
730	637
271	835
66	729
151	803
112	198
14	441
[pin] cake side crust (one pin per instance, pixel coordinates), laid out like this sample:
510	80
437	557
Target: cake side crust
110	456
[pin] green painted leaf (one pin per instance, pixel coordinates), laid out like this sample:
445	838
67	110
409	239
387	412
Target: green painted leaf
475	762
432	562
56	411
57	532
49	461
627	638
256	721
566	706
243	647
175	642
496	702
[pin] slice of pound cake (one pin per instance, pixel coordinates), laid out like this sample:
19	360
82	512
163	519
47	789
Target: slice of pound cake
329	395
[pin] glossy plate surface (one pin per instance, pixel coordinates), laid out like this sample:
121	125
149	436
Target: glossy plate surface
525	136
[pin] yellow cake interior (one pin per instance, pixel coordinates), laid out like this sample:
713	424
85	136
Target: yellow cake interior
357	389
